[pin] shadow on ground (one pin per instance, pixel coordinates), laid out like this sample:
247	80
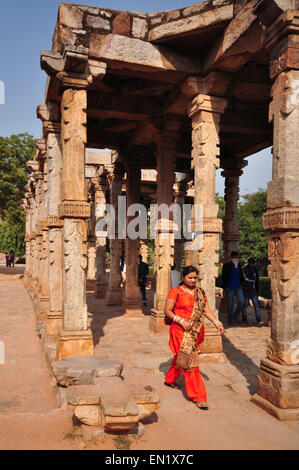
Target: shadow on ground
243	363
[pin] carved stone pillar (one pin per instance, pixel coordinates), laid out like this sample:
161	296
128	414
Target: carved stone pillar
75	338
278	379
55	225
39	234
179	191
205	111
231	235
115	291
132	305
27	238
45	294
143	250
164	244
100	189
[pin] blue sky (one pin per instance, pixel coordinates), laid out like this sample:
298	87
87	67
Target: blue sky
26	27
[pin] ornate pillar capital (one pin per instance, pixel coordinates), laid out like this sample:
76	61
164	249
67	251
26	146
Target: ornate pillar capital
206	104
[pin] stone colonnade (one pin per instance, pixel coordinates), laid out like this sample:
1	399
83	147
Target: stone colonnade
58	209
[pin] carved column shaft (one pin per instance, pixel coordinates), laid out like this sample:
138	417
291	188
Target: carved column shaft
132	302
205	113
278	379
114	291
75	338
179	198
231	234
55	224
101	188
164	244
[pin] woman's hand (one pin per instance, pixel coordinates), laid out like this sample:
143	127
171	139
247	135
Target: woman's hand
186	325
220	329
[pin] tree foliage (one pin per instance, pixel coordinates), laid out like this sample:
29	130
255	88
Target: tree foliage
15	151
254	239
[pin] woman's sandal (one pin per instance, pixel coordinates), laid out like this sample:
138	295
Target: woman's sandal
202	405
174	385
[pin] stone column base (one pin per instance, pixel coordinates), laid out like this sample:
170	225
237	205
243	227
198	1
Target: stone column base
114	296
132	308
279	385
90	284
100	291
212	342
74	343
54	323
290	414
156	323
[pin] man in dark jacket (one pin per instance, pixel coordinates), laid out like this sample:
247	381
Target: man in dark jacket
232	280
142	274
251	290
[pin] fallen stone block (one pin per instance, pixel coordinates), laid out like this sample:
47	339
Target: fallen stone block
85	370
111	404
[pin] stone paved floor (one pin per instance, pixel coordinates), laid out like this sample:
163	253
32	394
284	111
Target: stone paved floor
29	418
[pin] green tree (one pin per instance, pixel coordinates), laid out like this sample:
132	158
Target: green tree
221	215
254	239
15	151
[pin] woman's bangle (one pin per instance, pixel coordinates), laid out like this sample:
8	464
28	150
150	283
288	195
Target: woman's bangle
178	319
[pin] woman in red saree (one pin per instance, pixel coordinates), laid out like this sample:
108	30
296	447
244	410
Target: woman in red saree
187	306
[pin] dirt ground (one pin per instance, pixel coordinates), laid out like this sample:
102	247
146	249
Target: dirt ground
30	417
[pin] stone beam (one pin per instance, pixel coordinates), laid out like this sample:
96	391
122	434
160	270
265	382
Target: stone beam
268	10
246	147
245	122
240	40
137	54
190	24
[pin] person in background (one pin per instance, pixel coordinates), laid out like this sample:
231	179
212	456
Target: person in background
175	277
12	259
142	275
251	291
232	282
7	260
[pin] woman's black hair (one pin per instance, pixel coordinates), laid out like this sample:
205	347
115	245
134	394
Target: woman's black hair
189	269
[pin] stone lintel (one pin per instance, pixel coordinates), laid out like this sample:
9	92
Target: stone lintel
286	218
74	209
268	10
207	103
74	343
54	221
141	55
285	24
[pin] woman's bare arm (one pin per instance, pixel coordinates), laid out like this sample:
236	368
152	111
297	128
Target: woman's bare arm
168	310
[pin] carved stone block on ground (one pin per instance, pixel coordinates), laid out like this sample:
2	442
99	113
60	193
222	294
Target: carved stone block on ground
88	370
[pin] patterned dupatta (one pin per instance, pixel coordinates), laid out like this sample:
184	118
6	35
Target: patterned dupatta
188	356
